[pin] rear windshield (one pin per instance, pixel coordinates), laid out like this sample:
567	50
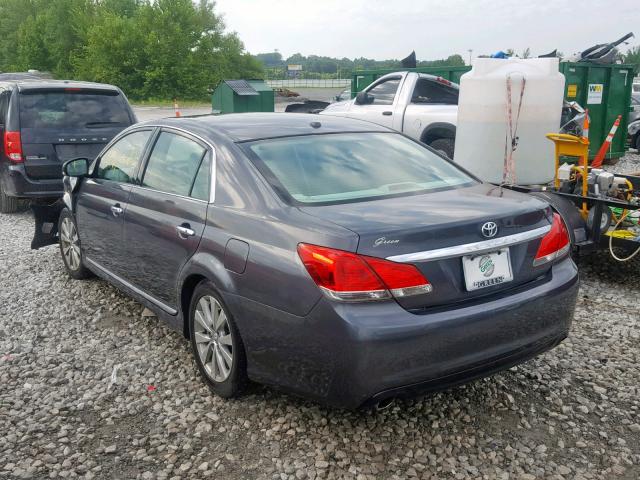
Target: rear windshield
347	167
73	110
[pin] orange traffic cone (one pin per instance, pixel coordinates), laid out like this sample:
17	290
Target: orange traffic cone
175	107
585	125
599	158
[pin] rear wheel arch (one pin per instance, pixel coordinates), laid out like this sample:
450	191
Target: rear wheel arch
186	294
437	131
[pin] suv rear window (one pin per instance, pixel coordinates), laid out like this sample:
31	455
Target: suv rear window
72	110
348	167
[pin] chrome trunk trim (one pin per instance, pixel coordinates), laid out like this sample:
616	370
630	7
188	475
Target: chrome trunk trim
471	248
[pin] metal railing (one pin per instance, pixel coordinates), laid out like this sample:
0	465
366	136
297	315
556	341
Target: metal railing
309	83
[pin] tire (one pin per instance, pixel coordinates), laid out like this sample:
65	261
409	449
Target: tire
605	219
215	345
9	204
70	249
445	146
611	161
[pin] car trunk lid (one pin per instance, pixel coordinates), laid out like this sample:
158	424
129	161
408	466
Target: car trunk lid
410	228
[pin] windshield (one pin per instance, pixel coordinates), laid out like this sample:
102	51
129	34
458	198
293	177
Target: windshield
344	167
72	110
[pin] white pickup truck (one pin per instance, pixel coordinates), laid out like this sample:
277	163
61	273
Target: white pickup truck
422	106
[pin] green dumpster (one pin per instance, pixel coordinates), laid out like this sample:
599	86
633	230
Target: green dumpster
604	89
241	96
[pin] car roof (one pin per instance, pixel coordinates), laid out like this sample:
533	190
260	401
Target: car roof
40	83
242	127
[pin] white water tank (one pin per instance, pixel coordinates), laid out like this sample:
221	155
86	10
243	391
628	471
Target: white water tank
483	121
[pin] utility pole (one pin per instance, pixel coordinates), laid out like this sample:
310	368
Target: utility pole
470	52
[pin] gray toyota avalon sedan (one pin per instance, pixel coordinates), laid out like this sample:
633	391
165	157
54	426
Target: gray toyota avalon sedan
332	258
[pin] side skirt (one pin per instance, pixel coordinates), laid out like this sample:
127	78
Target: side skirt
164	312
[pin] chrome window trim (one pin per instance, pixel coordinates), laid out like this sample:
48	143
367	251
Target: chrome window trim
136	127
212	171
471	248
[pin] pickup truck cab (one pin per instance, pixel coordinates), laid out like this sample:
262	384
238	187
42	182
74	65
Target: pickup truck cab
422	106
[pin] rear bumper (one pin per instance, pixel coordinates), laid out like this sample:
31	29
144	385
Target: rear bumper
349	355
16	183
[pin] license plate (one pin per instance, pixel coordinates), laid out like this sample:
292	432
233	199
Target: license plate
487	269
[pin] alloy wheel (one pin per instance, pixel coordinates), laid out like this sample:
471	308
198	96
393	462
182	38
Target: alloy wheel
70	243
212	335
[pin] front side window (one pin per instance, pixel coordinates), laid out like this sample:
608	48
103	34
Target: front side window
384	93
173	164
120	161
347	167
430	92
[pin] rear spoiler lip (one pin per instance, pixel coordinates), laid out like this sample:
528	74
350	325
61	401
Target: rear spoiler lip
72	89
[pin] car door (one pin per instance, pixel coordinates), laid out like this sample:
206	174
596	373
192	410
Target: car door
166	214
382	98
102	200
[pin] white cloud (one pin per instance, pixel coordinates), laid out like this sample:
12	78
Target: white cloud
435	29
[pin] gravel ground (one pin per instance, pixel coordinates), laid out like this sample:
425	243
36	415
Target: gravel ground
92	388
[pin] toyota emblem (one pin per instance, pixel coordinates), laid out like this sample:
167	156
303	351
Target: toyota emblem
490	229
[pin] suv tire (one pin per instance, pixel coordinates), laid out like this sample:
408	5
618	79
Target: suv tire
9	204
445	146
216	344
70	249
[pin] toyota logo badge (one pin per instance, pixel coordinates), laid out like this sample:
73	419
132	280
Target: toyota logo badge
490	229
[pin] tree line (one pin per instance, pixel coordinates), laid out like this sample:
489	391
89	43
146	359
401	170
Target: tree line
314	66
152	49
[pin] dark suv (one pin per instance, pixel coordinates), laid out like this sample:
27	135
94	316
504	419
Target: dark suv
43	123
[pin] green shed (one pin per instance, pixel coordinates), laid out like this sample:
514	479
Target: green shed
241	96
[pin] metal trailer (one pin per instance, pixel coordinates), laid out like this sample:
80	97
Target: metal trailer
586	237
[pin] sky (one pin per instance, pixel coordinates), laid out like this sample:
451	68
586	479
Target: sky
434	29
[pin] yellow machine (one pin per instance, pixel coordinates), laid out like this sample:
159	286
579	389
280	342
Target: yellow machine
572	146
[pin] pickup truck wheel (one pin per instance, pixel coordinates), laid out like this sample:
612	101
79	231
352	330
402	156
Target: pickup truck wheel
70	246
445	146
9	204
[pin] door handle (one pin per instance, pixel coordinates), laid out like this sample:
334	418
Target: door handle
116	210
184	231
387	113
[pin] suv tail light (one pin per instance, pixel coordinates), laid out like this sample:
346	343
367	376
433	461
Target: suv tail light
13	146
554	244
348	276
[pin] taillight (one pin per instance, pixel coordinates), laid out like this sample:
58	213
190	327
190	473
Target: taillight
555	244
348	276
13	146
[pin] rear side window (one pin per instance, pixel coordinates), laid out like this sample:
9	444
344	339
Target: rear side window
429	91
73	110
202	182
4	105
173	164
120	161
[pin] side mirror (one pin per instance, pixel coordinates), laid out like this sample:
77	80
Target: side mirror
363	98
78	167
